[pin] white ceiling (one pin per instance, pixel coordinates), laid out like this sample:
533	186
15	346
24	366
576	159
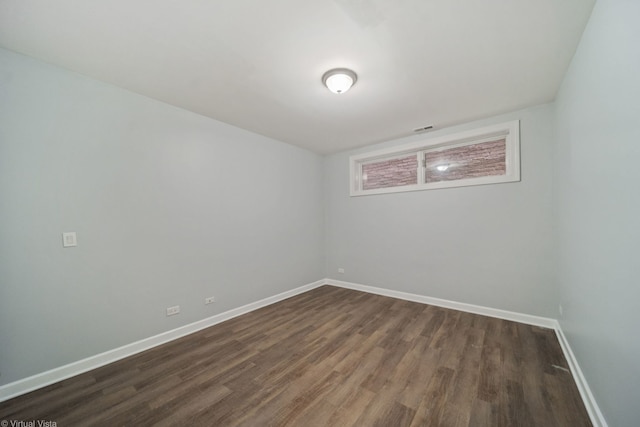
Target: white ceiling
258	64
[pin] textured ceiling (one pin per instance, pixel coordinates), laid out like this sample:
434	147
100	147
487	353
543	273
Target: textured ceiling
258	64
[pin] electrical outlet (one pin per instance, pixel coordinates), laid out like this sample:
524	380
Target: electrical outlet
69	239
341	270
172	311
209	300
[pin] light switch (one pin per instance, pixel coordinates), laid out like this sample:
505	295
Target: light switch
69	239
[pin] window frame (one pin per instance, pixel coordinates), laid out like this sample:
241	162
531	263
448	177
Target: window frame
510	131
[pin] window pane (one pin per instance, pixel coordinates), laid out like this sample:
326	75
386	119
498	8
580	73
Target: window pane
390	173
470	161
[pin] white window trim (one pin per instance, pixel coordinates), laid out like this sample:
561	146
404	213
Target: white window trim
510	131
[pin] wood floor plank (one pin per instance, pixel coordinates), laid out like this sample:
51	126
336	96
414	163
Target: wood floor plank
431	410
328	357
396	415
351	408
467	374
423	364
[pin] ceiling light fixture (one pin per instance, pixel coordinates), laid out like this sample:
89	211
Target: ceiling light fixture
442	168
339	80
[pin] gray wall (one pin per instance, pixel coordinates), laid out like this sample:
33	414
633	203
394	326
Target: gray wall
488	245
597	164
170	207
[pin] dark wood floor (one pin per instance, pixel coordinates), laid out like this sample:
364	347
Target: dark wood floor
333	357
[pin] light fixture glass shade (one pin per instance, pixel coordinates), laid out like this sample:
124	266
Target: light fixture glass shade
339	80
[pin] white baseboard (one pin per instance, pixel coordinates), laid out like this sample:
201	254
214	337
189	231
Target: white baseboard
597	419
528	319
25	385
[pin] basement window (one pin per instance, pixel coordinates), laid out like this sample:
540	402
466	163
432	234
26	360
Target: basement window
390	172
488	155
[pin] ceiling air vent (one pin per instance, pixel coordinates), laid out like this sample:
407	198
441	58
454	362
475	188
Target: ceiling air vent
423	129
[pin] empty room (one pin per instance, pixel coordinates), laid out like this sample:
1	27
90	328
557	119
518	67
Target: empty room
325	213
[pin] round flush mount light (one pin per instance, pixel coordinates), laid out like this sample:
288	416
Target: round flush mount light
339	80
